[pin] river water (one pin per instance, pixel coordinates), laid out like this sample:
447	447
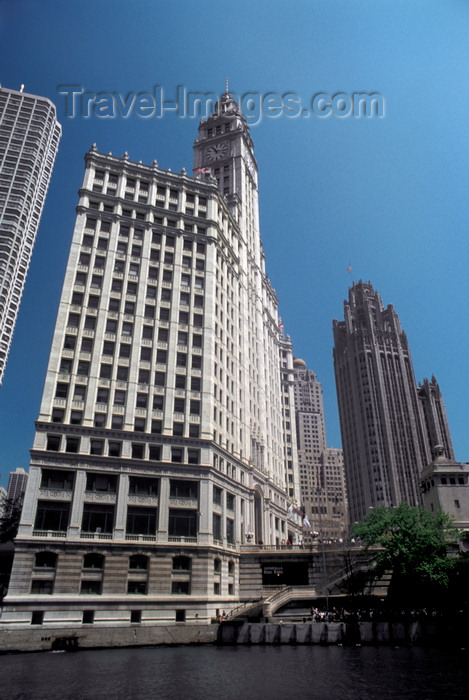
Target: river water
237	673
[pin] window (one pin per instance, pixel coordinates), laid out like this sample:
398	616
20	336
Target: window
182	563
230	530
70	342
76	417
216	526
105	372
159	378
88	617
83	368
61	391
103	483
158	403
143	376
193	456
125	350
97	518
161	356
53	443
137	587
122	373
231	568
135	616
230	501
138	450
179	405
91	587
194	430
194	407
102	395
178	429
117	423
195	383
93	561
119	397
37	617
57	479
45	560
154	452
42	586
216	587
181	359
52	515
177	454
143	486
217	493
156	427
99	420
183	489
217	566
141	521
142	400
138	562
180	588
182	523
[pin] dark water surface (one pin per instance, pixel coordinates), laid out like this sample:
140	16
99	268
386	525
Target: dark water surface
237	673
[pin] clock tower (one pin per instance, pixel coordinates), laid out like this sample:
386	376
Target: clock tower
224	151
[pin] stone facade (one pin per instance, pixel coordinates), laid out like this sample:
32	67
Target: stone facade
387	428
162	442
322	475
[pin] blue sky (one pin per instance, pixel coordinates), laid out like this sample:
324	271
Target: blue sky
387	196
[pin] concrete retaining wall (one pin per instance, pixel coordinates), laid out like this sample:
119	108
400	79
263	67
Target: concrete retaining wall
380	632
44	639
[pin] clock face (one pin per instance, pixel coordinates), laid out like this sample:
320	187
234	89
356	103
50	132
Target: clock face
217	151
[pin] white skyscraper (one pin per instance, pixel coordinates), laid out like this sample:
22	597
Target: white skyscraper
164	440
29	138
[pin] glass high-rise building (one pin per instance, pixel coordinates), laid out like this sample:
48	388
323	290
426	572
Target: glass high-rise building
165	440
390	428
29	139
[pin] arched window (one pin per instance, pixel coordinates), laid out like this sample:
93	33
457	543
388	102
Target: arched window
93	561
138	561
46	560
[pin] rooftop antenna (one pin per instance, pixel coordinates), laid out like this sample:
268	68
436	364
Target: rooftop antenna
226	86
21	87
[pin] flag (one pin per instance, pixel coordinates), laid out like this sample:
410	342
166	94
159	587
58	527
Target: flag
290	508
349	268
207	171
306	522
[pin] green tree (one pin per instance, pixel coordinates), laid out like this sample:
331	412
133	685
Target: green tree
10	514
414	545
